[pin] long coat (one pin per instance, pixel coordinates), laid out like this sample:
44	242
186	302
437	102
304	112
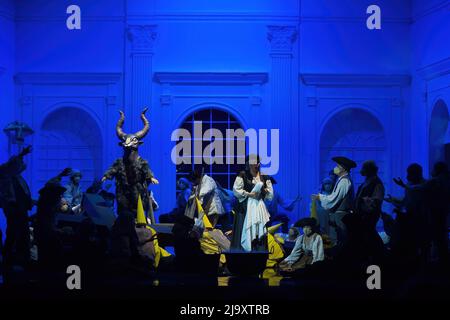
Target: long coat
131	181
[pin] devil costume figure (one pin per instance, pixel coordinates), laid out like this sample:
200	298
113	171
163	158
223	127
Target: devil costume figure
131	173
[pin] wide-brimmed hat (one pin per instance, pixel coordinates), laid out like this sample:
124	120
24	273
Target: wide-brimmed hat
345	162
309	221
52	188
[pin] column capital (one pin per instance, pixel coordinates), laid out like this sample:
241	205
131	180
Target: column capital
281	38
142	37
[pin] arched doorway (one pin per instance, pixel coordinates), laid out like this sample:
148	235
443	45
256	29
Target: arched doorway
439	139
69	137
357	134
212	118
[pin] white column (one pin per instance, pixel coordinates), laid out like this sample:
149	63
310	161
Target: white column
139	82
283	109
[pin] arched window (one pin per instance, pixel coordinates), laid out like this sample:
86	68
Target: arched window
357	134
212	118
69	137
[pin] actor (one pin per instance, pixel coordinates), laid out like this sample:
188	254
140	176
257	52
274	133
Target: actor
251	188
205	189
131	172
340	201
73	194
368	202
322	213
308	247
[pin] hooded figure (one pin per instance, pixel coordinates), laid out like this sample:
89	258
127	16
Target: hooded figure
50	249
323	214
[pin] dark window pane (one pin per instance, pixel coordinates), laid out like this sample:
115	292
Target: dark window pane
203	115
225	173
219	115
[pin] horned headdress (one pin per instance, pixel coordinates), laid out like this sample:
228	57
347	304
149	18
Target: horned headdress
135	139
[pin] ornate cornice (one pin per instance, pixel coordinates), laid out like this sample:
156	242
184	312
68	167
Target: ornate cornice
442	5
142	37
68	78
356	80
435	70
215	78
281	17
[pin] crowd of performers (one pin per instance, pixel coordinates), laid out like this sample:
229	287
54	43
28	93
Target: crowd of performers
209	220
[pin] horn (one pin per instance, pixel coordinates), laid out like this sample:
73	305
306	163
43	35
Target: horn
142	133
119	125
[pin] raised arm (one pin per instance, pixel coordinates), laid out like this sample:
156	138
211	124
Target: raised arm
269	190
238	189
328	201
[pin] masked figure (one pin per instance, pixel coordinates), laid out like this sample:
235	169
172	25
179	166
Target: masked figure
340	201
131	173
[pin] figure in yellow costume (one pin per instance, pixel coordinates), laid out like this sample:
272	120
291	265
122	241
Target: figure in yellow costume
276	254
148	239
213	241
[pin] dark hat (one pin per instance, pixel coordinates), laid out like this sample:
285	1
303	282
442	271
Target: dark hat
53	188
194	175
344	162
309	221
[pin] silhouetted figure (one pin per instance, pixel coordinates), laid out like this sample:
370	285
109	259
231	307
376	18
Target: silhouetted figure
46	233
438	191
340	201
189	256
368	202
89	250
124	239
15	199
412	231
97	188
